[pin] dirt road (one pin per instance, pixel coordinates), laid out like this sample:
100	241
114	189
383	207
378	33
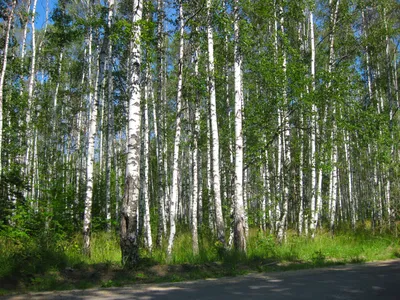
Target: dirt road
378	280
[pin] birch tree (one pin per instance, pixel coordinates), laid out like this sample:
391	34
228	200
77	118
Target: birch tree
146	162
160	142
3	71
334	174
285	144
314	128
175	167
129	208
94	80
195	154
214	132
239	217
31	83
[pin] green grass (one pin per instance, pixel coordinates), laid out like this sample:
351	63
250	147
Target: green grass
104	249
55	264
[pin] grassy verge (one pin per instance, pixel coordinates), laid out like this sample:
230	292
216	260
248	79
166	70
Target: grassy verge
29	265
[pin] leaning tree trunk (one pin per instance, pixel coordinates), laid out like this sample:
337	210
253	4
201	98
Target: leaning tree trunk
146	162
129	223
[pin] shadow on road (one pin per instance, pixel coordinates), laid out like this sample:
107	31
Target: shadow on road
370	281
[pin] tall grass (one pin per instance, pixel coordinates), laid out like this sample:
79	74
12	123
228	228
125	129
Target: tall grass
104	249
29	260
345	247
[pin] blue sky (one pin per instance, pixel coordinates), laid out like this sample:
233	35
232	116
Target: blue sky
41	11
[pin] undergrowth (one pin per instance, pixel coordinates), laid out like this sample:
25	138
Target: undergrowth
49	261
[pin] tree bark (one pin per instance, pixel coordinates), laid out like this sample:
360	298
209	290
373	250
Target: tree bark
214	132
129	217
334	159
314	129
161	156
3	73
285	145
110	153
31	83
146	162
239	213
175	169
195	194
93	98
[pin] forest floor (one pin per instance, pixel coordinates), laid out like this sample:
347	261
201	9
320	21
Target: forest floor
26	269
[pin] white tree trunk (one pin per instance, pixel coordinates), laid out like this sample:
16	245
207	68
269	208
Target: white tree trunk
100	130
175	168
334	174
118	175
214	132
301	187
266	195
334	185
161	158
31	83
79	154
54	129
3	73
195	193
201	192
352	199
391	115
314	128
35	200
279	184
395	79
211	211
110	119
286	151
23	42
109	152
162	224
239	213
129	223
165	154
146	161
245	191
93	83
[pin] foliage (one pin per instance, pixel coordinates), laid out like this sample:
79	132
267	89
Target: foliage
354	105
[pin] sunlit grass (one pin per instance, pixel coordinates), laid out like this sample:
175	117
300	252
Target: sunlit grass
104	249
344	247
39	265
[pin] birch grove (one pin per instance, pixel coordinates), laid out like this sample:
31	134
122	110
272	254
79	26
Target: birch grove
10	17
224	120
